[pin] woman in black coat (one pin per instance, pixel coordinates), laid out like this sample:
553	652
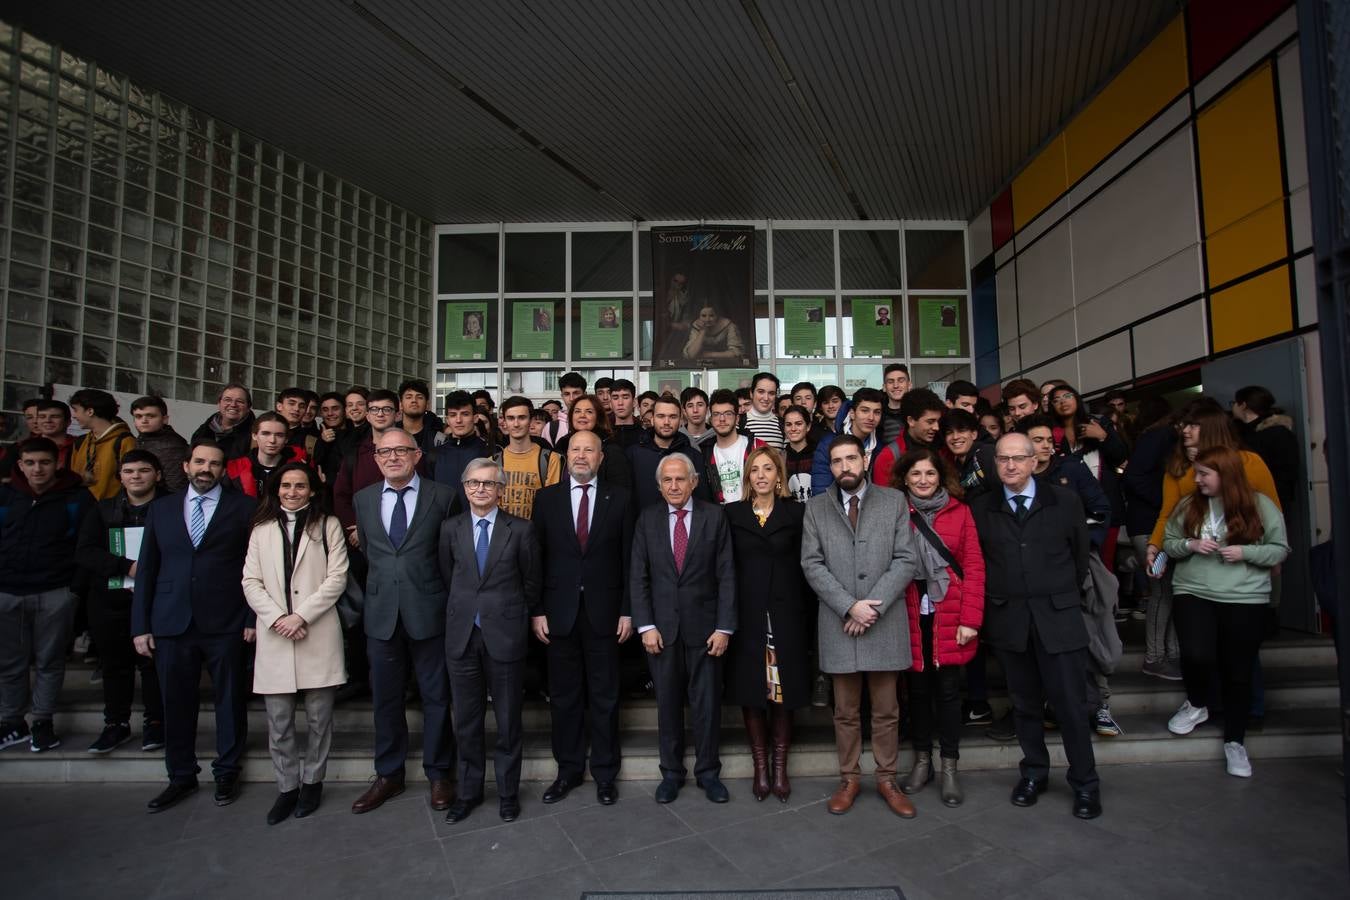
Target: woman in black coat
767	670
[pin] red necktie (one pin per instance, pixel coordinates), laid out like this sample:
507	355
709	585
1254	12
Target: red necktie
584	516
681	542
853	512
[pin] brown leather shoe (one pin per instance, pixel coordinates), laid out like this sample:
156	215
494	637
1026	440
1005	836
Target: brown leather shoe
380	790
896	799
841	801
442	794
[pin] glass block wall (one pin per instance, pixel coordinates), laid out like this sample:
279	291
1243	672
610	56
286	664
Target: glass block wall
146	247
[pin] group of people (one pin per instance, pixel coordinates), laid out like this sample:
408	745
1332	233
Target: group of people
764	548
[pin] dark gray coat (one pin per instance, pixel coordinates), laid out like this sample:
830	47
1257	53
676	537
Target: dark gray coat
696	601
405	583
875	563
503	597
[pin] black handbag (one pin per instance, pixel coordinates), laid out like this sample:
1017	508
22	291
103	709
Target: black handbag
931	536
351	605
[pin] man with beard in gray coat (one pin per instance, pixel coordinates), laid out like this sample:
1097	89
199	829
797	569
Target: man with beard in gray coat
858	555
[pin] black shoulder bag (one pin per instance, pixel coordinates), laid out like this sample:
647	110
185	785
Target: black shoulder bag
931	537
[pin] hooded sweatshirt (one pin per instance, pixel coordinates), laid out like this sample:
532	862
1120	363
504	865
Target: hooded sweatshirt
96	458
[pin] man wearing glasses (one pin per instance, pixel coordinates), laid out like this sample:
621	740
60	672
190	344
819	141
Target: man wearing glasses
359	468
1035	541
490	560
398	523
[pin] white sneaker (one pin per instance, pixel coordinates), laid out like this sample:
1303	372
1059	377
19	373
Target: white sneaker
1238	764
1187	717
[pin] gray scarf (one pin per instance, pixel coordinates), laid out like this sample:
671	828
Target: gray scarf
932	567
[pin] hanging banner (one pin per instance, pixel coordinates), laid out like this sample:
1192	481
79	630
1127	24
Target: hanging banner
601	329
464	330
703	289
804	326
939	326
532	329
874	321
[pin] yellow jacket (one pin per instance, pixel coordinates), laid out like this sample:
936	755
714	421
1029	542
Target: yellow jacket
96	458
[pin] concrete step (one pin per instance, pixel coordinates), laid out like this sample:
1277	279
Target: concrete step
1133	693
1287	734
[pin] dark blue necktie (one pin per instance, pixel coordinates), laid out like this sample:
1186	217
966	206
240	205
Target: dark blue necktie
481	549
1021	501
398	520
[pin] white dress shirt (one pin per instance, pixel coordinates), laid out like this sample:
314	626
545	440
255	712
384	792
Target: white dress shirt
389	498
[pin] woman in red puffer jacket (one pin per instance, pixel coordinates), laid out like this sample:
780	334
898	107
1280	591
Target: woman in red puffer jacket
946	608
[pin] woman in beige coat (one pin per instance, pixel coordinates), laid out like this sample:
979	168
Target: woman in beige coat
295	571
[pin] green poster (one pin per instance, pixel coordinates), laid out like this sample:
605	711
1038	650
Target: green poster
734	378
464	330
939	326
874	321
670	382
601	329
804	326
532	329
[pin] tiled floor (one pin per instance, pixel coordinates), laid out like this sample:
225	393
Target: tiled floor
1175	830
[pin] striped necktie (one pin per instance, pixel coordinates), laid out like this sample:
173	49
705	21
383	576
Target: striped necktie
197	529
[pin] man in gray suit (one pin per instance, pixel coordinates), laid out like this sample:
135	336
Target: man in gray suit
490	559
398	522
683	586
858	555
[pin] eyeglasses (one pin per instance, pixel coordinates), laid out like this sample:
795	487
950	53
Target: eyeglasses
1060	398
392	452
476	485
380	410
1018	459
724	414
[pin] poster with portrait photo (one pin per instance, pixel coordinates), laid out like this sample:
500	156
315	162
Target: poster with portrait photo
703	297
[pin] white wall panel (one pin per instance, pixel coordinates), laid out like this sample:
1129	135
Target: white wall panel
1170	340
1004	253
1039	225
1044	280
1305	285
1005	292
1065	369
1117	162
1050	339
1158	287
1105	363
981	238
1300	219
1146	216
1009	360
1291	111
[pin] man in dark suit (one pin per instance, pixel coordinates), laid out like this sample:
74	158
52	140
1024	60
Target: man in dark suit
188	609
683	585
490	560
585	531
1035	542
398	522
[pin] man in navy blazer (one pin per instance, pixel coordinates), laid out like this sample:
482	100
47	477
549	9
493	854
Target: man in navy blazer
188	610
683	587
585	530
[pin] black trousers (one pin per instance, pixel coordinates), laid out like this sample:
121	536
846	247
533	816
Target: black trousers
583	671
1223	640
179	661
110	625
935	686
687	668
389	664
472	676
1035	675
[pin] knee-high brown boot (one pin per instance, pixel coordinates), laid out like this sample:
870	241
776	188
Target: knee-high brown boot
780	720
757	729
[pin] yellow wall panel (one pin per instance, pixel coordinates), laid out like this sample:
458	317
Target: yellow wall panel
1039	184
1246	245
1255	309
1239	151
1143	88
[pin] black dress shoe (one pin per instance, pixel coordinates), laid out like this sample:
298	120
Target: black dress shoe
283	807
460	809
509	808
227	789
1087	804
176	791
560	788
1027	790
606	793
668	789
308	802
715	790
